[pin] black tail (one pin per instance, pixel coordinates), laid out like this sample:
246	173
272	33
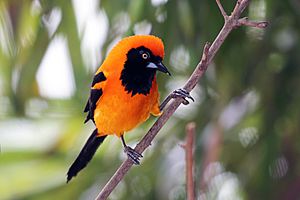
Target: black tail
85	155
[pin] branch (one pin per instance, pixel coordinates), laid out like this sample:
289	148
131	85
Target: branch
209	53
222	10
189	157
244	21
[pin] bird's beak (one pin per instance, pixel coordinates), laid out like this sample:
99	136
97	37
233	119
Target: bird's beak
158	66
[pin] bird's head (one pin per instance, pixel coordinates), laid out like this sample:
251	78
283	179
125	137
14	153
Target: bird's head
143	57
146	54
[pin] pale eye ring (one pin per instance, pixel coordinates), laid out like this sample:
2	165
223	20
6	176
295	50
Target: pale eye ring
145	56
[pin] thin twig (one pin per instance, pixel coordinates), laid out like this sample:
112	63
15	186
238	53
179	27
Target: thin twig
244	21
189	160
222	10
208	54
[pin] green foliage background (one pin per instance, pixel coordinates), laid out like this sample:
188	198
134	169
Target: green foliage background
247	106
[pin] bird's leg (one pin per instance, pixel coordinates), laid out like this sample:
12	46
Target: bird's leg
179	93
131	153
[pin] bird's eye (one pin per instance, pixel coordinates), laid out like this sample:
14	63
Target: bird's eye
145	56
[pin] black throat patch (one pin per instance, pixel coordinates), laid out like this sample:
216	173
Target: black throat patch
135	77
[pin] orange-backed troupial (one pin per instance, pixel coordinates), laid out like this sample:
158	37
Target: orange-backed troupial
123	94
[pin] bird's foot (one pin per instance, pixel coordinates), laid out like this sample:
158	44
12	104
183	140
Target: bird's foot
133	155
182	93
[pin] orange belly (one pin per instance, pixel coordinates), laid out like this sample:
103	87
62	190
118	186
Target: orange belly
118	112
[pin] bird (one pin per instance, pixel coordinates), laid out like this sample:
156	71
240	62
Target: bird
123	94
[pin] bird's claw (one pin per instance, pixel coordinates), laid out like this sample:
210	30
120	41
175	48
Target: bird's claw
182	93
133	155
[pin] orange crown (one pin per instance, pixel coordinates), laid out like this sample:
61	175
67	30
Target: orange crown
149	41
117	56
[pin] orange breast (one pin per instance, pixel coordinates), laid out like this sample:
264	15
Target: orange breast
118	112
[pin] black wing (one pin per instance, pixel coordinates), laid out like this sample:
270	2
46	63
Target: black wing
95	94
